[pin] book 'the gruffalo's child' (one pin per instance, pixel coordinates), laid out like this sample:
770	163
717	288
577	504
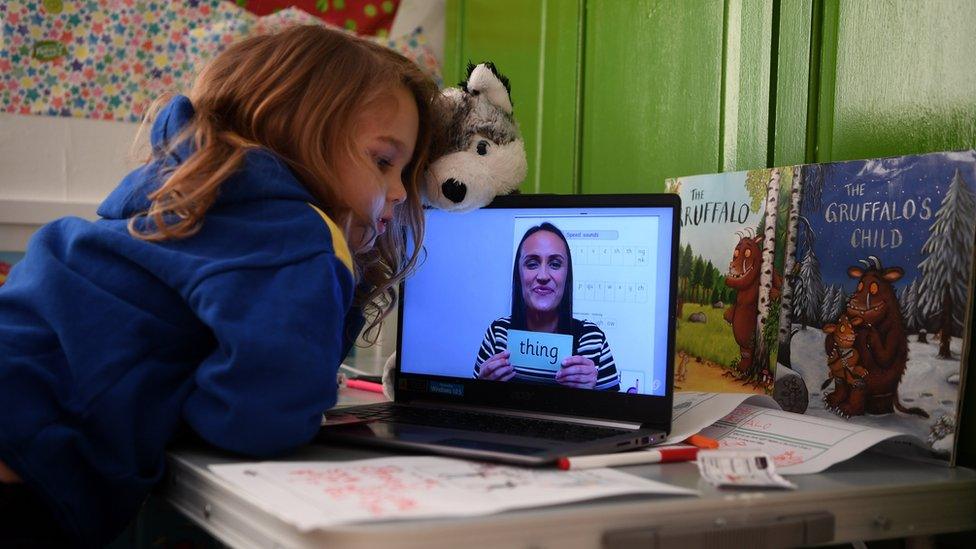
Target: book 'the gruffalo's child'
878	273
730	282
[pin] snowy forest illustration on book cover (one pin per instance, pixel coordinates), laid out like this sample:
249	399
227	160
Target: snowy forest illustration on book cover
729	280
877	294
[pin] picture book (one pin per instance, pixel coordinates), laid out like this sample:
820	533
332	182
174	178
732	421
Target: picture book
861	309
729	281
880	293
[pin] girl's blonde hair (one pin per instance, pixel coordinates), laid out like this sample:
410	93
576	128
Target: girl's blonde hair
298	93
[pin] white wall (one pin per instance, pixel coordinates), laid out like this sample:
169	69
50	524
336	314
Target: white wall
62	159
56	166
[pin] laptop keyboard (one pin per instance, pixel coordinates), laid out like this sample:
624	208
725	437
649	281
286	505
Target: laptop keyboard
482	422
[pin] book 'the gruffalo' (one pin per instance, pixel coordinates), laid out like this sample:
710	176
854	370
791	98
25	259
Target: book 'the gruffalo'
729	279
877	296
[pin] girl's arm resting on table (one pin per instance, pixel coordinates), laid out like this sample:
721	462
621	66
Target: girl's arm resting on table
279	333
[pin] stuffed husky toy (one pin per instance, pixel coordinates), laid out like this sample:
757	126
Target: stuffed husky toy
481	153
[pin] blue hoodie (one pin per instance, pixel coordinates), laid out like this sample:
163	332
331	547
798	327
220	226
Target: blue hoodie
110	344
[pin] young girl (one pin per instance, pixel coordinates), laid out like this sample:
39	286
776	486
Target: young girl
223	284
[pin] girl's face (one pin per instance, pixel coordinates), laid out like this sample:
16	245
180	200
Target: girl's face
543	266
372	184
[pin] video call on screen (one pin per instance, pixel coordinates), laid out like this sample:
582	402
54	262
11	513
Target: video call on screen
458	307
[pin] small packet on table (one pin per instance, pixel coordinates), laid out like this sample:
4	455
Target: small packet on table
750	469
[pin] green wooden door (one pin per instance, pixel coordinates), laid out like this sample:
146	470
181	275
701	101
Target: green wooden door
894	77
616	96
536	44
673	88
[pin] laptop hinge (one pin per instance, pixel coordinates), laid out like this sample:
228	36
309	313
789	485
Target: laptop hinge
592	421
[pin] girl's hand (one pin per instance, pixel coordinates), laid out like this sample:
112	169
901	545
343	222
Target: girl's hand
497	368
577	371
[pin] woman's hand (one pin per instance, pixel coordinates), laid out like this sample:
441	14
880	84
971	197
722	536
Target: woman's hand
577	371
497	368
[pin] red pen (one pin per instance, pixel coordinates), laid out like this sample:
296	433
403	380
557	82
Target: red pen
661	455
364	385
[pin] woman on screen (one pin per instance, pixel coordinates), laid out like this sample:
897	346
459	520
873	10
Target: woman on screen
542	301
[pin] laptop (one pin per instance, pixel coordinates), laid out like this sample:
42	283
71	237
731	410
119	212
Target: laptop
538	327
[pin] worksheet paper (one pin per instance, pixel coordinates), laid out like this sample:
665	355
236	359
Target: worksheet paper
693	411
797	443
312	495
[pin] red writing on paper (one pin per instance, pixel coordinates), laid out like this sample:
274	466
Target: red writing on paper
379	490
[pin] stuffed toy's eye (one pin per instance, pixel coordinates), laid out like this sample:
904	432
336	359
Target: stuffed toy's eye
482	147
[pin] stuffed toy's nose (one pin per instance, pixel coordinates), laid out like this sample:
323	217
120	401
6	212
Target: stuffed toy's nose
454	190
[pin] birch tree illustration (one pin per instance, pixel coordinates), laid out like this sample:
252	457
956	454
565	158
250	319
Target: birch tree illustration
789	265
942	292
760	371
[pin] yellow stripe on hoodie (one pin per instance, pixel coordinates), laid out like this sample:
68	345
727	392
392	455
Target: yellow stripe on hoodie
339	245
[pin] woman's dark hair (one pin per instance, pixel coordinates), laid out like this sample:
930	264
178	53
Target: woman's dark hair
565	308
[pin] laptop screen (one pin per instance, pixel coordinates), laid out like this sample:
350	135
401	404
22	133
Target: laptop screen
576	297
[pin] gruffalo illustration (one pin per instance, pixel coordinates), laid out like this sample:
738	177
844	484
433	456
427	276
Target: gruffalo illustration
881	343
743	277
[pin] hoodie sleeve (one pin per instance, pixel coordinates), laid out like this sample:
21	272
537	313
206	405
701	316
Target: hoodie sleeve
280	335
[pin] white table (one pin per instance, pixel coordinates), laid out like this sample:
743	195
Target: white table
872	496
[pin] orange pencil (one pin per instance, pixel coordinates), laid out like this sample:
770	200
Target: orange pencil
701	441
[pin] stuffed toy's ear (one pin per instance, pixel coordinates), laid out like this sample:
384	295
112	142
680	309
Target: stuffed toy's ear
484	80
482	154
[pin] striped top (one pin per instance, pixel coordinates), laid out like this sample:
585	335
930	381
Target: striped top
591	343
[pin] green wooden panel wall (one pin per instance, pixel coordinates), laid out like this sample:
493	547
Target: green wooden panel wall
652	93
536	44
617	95
896	77
793	24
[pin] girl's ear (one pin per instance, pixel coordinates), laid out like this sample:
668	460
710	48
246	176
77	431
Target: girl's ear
758	238
855	272
857	321
829	328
